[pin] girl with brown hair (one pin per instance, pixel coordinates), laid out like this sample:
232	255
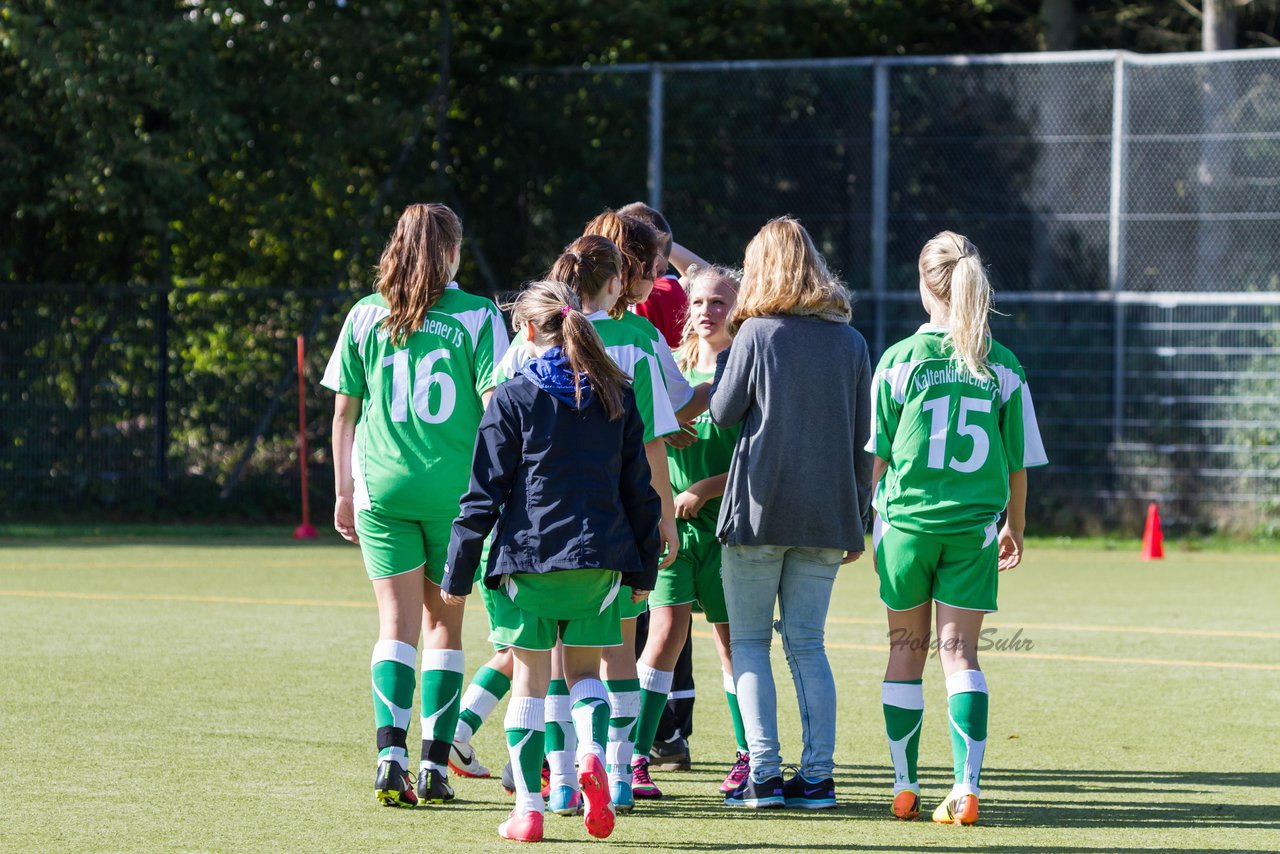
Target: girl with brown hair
412	368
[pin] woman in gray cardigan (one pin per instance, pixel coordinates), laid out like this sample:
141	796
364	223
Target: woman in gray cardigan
798	378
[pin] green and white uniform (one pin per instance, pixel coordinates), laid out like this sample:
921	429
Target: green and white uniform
635	354
951	440
417	429
579	606
695	575
679	390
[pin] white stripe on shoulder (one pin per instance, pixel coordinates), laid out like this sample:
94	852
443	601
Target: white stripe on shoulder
362	319
473	321
512	361
1032	445
627	356
1009	381
664	417
897	377
678	389
501	343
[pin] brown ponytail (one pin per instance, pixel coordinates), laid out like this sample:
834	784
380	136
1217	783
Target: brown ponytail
414	269
555	312
586	265
639	244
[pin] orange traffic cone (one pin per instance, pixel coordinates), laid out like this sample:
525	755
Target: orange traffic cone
1153	536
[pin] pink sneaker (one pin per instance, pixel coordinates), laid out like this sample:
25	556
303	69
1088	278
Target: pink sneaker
642	785
598	816
741	768
522	828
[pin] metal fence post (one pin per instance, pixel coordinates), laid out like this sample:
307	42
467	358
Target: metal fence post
1115	259
655	135
880	201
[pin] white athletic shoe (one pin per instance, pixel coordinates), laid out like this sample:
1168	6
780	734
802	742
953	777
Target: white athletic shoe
463	761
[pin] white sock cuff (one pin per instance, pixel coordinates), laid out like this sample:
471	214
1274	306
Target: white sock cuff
729	686
525	713
442	659
587	689
557	707
904	696
966	682
394	650
654	681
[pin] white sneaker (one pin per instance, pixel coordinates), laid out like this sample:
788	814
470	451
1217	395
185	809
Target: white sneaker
463	761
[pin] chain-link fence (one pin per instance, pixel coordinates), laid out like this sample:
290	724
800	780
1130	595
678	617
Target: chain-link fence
1128	208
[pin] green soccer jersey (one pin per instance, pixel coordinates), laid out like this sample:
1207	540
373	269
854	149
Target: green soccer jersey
633	353
417	428
707	457
951	438
679	391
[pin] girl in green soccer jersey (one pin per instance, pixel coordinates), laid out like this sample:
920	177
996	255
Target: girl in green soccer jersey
413	367
698	475
560	469
591	266
955	432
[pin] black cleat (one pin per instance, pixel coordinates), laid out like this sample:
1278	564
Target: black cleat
392	785
433	787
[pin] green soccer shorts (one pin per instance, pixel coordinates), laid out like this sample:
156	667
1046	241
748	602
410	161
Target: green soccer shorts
582	607
695	575
393	546
628	610
914	570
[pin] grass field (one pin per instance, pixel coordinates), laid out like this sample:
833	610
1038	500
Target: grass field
210	693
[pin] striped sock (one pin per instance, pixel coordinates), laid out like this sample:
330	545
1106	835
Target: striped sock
590	712
624	709
967	710
562	741
441	692
735	712
393	670
655	685
486	690
525	733
903	704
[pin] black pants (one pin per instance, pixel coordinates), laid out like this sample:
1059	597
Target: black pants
677	717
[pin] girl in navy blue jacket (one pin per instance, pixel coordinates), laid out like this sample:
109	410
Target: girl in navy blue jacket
560	469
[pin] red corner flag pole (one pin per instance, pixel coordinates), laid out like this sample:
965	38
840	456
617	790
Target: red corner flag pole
305	531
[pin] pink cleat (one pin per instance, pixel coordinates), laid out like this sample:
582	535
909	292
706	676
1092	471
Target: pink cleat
522	828
741	768
593	779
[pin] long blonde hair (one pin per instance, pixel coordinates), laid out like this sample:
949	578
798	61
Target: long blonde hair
951	269
686	352
784	273
414	269
556	313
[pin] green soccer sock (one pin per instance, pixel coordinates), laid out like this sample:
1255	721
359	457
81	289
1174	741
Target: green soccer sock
624	710
525	736
903	704
735	712
655	686
590	712
486	690
967	709
441	692
393	671
562	741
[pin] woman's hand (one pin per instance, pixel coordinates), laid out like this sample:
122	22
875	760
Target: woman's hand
344	518
670	539
638	596
1010	548
850	557
452	600
689	505
682	438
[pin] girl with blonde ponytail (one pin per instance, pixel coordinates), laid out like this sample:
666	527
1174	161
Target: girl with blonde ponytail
955	428
560	470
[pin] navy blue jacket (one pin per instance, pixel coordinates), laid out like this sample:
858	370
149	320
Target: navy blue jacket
567	489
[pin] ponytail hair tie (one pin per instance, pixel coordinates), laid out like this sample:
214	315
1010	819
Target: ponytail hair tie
564	311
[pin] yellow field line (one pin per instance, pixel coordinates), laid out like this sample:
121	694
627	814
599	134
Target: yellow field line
1072	627
346	603
1040	656
179	597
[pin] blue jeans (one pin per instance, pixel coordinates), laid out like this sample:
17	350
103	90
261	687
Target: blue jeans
799	580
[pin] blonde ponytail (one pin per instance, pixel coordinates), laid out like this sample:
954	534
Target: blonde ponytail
952	271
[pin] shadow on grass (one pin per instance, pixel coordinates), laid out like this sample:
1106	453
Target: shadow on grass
1080	798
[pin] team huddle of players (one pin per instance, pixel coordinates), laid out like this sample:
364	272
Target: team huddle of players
575	473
